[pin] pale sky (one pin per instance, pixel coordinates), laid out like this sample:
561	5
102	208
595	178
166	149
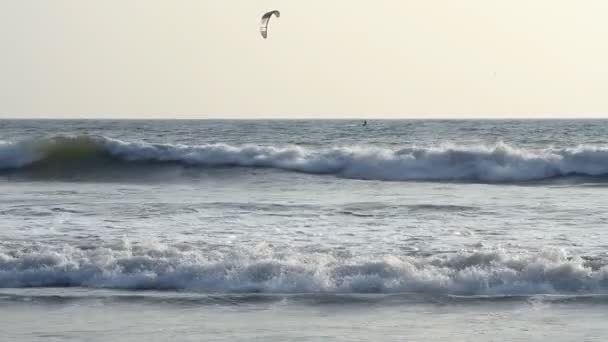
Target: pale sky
323	58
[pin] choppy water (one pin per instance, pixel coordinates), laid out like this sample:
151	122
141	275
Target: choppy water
304	230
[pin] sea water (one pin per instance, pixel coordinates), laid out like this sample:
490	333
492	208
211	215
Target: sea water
318	230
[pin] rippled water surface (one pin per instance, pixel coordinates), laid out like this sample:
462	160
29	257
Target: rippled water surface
304	230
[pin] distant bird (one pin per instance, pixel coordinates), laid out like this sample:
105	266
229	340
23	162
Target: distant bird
265	20
364	123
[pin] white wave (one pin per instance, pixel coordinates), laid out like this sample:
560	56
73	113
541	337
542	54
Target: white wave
497	163
261	269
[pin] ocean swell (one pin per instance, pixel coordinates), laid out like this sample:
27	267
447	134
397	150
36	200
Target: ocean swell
449	162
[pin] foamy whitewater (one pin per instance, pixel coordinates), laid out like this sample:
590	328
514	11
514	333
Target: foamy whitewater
303	230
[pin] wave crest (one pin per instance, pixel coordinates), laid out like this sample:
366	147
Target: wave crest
262	270
496	163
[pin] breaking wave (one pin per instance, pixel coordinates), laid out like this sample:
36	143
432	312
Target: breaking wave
496	163
267	271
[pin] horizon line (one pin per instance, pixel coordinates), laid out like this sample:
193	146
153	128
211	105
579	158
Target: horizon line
371	117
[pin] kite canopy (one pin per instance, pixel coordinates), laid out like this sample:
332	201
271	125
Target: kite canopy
265	20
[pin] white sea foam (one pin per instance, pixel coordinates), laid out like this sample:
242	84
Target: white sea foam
496	163
261	269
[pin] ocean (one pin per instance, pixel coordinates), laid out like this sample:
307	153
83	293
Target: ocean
289	230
